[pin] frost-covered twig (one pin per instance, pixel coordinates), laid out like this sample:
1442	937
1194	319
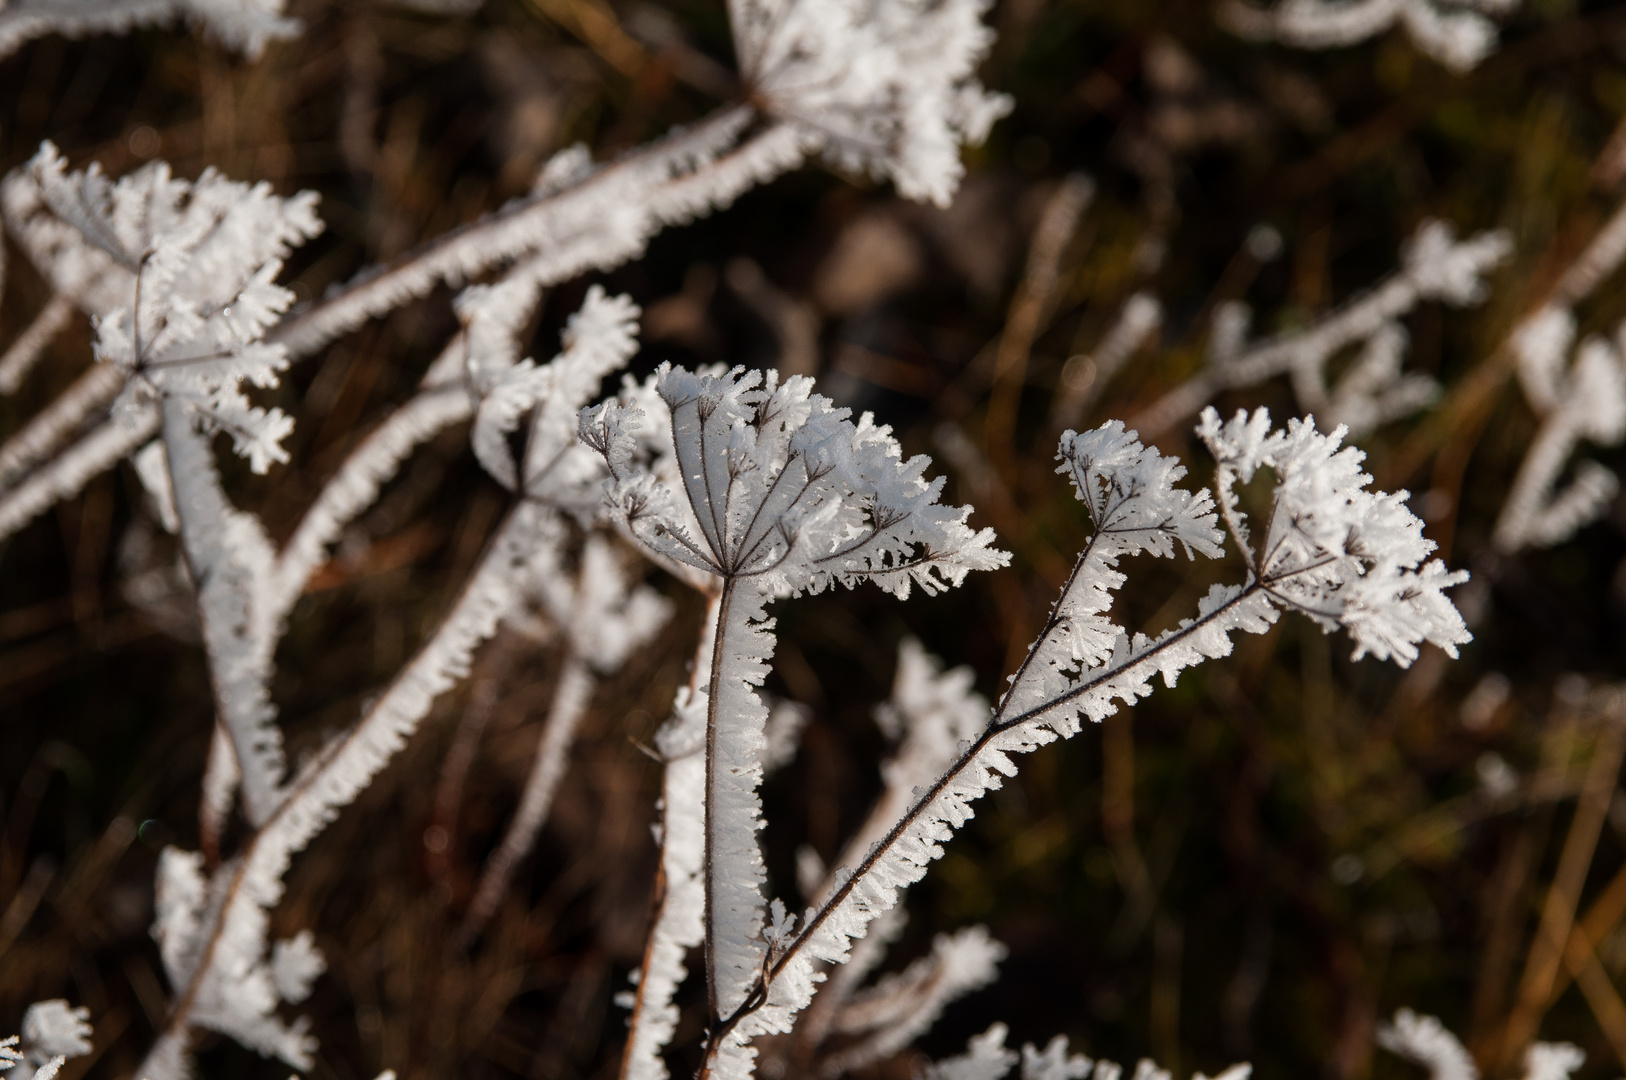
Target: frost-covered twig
1582	399
592	218
1458	33
244	25
900	1007
1435	266
1424	1040
213	933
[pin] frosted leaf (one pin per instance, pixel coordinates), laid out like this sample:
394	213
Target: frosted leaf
1334	550
883	87
1054	1063
52	1032
55	1029
295	964
902	1006
985	1058
1552	1061
1425	1040
1131	494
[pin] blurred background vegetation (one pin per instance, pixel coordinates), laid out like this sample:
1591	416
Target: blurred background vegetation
1262	863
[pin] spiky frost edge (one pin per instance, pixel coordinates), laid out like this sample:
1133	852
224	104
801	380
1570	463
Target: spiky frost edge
680	917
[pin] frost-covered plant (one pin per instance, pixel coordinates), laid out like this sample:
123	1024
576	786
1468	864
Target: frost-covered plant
1424	1040
1579	398
780	493
1575	398
180	280
886	88
1458	33
751	488
52	1032
1420	1039
1372	390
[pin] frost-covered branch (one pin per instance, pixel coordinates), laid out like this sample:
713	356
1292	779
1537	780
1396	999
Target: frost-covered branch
1583	398
1577	399
213	931
780	493
1343	555
1458	33
1424	1040
218	935
244	25
1434	266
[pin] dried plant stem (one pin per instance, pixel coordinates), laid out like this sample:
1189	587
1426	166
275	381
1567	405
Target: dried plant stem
570	700
1033	299
1558	914
1602	998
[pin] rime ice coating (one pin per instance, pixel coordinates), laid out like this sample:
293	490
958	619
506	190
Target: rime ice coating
1457	33
885	88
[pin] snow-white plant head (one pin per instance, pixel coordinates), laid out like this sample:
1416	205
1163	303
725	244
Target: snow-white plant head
180	279
887	88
